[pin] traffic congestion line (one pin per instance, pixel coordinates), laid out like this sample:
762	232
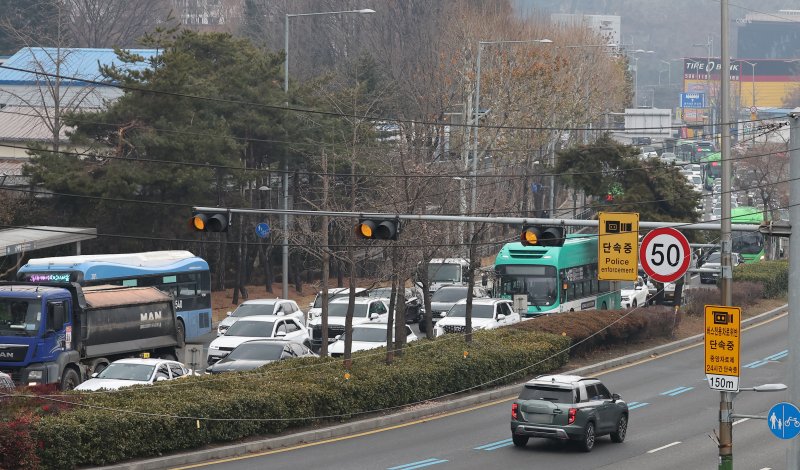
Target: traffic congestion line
495	445
767	359
419	464
635	404
677	391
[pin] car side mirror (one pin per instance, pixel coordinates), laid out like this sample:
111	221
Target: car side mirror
443	314
338	337
95	374
230	313
373	316
280	334
501	316
615	396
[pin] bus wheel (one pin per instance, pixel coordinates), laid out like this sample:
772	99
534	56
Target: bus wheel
604	306
180	330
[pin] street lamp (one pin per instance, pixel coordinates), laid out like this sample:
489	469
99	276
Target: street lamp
636	74
753	79
285	260
477	109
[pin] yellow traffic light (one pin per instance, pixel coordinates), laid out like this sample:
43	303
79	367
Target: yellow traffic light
542	235
216	222
378	229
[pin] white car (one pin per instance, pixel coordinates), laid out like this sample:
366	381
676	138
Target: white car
282	307
487	314
365	310
315	307
257	327
128	372
367	336
634	294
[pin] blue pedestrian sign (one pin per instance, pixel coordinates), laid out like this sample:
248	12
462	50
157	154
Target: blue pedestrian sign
783	420
262	230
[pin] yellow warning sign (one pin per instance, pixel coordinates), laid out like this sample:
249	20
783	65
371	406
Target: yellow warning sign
722	338
618	246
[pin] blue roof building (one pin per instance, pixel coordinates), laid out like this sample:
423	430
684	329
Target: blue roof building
21	85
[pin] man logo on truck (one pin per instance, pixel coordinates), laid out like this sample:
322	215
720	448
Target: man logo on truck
150	319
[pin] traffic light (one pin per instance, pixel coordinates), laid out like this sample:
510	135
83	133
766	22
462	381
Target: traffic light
378	229
210	222
542	236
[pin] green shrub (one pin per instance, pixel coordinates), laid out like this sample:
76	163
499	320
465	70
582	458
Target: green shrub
596	328
286	395
772	275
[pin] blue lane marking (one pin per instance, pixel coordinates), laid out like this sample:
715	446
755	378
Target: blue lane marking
418	464
634	405
495	445
761	362
677	391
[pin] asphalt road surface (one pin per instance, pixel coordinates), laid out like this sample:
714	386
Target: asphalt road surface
673	418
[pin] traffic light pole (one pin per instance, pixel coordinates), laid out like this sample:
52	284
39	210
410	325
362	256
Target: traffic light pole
491	220
726	398
794	273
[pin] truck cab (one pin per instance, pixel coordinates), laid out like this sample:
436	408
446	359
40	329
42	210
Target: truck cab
447	272
35	332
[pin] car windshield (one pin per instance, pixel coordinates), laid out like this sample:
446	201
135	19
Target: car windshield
127	371
20	317
369	335
627	285
696	179
256	329
318	299
442	272
247	310
478	311
339	309
257	351
552	394
713	257
383	292
446	294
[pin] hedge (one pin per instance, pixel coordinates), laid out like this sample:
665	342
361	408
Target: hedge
612	327
773	275
285	395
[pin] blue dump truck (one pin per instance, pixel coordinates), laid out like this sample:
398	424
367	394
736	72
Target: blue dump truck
63	333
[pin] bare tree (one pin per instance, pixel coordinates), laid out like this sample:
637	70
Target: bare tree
113	23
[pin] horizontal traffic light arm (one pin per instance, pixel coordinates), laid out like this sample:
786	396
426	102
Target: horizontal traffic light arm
464	218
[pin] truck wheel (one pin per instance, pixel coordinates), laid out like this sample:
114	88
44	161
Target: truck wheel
180	330
70	380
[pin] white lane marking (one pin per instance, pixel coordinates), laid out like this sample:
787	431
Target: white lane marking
652	451
766	468
740	421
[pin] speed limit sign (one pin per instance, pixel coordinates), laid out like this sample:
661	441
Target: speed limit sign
665	254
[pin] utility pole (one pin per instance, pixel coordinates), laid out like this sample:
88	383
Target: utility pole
726	398
793	460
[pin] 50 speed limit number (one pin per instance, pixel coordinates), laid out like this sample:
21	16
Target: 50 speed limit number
665	254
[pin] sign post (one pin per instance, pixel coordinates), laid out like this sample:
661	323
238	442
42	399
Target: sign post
617	256
722	340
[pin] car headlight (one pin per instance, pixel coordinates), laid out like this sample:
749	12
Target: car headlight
35	375
214	348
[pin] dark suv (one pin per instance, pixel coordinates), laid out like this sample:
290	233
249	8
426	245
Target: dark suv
568	407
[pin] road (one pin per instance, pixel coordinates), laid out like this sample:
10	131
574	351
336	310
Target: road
673	413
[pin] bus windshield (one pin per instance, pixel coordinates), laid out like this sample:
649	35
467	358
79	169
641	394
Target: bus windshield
748	243
539	283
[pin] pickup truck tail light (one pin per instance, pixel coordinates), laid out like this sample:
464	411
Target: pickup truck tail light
571	416
514	408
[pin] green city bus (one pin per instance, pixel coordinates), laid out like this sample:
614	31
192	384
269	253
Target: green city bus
555	279
748	244
712	169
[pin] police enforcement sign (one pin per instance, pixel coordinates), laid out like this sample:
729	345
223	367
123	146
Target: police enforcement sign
722	336
617	253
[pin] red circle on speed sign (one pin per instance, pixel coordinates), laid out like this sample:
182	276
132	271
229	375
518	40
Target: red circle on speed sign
665	254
